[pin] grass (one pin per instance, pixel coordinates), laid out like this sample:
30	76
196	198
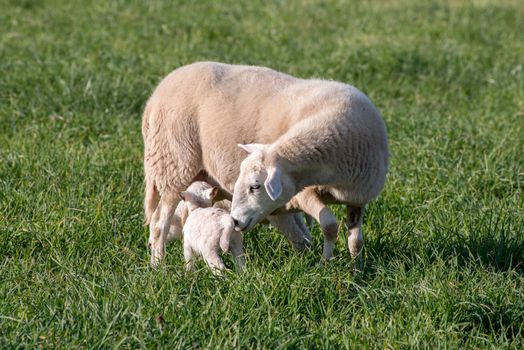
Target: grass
444	255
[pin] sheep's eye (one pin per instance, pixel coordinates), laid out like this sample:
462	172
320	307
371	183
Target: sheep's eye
253	188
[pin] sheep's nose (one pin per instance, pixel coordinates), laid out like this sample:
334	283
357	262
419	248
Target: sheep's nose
235	221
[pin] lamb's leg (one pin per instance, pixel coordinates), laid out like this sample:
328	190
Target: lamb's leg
180	216
237	250
309	201
173	234
355	237
287	225
159	227
214	261
189	257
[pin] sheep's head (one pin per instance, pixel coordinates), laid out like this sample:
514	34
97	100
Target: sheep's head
199	194
262	186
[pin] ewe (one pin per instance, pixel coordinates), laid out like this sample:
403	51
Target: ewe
324	141
209	230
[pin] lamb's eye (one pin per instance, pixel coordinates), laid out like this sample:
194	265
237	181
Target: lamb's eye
253	188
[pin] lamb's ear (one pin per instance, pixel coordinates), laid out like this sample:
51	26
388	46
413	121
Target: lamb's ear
188	196
273	183
252	147
183	195
211	193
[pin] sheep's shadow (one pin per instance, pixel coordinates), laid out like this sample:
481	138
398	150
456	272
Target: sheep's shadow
492	241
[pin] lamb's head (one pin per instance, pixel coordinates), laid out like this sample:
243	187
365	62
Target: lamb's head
262	187
199	194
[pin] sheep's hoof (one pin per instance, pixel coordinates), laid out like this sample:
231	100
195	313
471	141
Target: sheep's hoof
157	255
307	241
218	273
155	262
358	265
324	262
302	246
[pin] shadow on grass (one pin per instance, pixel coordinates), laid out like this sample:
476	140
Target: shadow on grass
491	240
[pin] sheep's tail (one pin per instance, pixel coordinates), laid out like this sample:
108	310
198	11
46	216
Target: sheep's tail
225	239
150	200
151	192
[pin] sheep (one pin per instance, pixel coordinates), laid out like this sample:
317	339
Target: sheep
336	152
208	230
200	112
191	125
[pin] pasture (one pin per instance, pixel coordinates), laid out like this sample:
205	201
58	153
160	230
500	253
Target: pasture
444	243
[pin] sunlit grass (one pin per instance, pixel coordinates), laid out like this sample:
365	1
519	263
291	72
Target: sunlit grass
444	254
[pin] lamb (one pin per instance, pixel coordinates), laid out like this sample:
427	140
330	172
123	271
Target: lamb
181	214
336	154
177	222
208	230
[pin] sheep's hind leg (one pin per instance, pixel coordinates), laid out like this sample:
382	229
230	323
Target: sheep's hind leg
176	169
355	236
287	224
159	227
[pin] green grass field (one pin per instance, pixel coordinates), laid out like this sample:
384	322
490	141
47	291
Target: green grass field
444	253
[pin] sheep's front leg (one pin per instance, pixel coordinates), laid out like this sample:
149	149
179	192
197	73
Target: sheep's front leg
214	261
288	226
237	250
310	203
159	228
301	221
355	236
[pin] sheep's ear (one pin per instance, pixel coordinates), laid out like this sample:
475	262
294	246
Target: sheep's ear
273	183
183	195
211	193
252	147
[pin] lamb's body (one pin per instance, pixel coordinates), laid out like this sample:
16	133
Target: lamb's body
181	214
200	112
209	231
